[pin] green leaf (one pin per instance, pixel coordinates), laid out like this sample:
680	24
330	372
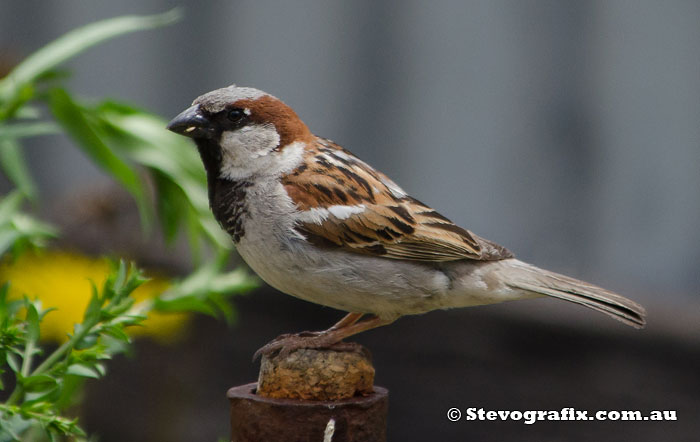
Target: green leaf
173	163
128	320
24	230
8	238
15	167
119	277
12	426
27	225
45	312
49	394
69	392
206	290
86	341
38	383
13	362
9	205
71	44
83	370
223	305
185	304
117	333
92	312
17	229
12	106
100	369
135	280
171	204
8	310
32	322
73	119
27	112
23	130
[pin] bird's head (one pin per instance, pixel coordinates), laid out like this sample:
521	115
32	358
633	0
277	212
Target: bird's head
241	132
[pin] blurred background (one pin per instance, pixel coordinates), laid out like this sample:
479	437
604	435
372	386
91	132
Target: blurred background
567	131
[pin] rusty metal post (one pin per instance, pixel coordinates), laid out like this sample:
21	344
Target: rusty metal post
257	418
311	395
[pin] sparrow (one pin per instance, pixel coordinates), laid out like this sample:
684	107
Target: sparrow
318	223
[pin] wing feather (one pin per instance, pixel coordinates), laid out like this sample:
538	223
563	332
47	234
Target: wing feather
358	209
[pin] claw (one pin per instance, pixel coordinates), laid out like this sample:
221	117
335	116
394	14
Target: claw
287	343
330	338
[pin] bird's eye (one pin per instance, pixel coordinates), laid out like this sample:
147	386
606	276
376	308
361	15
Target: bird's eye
236	115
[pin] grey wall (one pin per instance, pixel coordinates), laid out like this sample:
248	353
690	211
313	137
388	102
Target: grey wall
568	131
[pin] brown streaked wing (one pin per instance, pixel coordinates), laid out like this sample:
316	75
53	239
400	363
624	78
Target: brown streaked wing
385	222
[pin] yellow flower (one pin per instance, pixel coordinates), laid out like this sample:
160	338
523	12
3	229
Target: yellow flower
62	280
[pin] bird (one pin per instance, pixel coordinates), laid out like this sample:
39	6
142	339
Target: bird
316	222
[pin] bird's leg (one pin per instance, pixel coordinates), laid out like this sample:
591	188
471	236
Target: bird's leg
347	320
347	326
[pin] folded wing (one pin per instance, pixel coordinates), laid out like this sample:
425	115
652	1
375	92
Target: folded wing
344	203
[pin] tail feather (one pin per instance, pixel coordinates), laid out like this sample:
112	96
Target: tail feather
533	279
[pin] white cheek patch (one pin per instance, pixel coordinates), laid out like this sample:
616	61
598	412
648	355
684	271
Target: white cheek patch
253	150
250	141
290	157
242	149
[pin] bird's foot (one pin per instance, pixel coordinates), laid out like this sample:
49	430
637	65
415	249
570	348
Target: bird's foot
287	343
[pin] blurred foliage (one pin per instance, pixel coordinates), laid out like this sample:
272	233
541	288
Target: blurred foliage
41	392
63	281
19	230
163	174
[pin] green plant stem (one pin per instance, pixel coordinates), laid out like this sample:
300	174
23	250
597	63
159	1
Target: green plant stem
16	394
66	347
14	410
27	358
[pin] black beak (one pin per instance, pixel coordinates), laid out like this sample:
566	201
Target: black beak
192	123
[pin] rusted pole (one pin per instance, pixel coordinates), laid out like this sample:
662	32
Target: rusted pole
257	418
317	395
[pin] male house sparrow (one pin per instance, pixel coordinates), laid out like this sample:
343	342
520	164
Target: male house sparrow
316	222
